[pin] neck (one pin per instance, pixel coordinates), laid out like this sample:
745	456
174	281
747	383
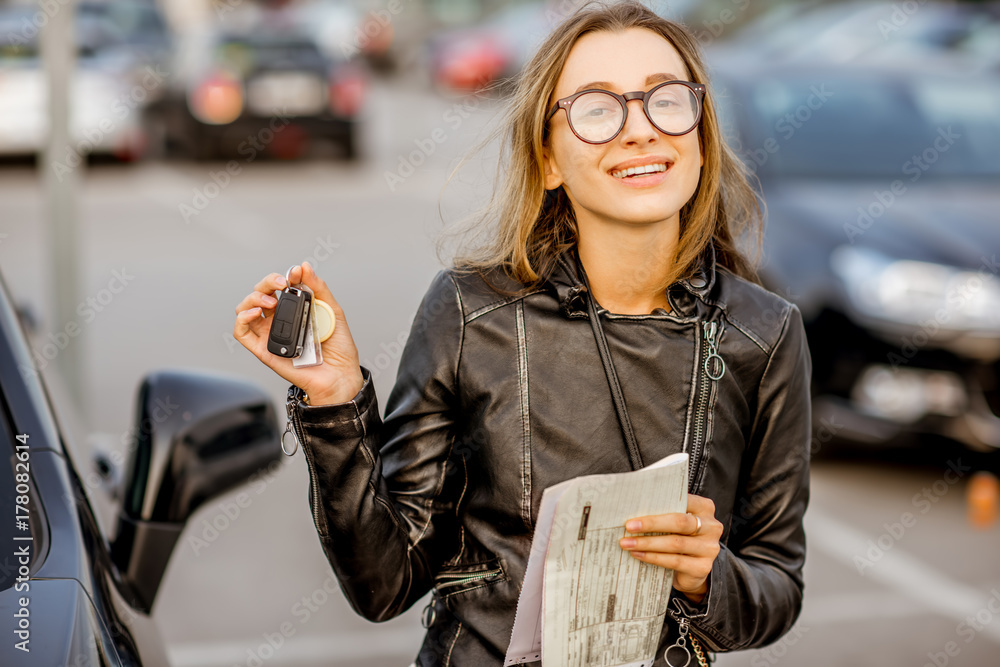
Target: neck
628	265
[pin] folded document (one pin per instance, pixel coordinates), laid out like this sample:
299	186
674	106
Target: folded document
585	601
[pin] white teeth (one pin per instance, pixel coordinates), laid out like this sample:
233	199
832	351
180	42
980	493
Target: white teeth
644	169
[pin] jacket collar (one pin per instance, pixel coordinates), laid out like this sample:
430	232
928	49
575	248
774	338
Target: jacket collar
569	284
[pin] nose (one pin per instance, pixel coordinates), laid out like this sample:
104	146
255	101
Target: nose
638	128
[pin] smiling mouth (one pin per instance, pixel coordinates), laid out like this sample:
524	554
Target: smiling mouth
640	172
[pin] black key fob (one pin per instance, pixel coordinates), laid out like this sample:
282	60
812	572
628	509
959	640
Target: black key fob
289	326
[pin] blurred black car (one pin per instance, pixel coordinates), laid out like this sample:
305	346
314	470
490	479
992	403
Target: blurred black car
69	594
882	187
271	91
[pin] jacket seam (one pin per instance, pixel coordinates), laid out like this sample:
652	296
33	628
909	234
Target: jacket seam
743	326
482	310
447	658
469	590
461	331
371	462
522	375
746	331
465	485
451	449
767	368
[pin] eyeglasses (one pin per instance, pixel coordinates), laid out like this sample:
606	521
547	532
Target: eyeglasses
597	116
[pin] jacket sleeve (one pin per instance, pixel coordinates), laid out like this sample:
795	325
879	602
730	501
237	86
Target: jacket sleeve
384	494
755	587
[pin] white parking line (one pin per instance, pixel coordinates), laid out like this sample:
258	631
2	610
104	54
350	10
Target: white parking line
901	572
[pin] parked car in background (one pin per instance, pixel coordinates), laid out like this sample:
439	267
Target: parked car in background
262	89
69	593
122	46
881	184
862	30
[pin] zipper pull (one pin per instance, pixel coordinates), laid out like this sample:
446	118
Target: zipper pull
681	653
715	365
429	614
293	397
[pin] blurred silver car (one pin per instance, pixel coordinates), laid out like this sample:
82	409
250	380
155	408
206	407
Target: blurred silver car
110	89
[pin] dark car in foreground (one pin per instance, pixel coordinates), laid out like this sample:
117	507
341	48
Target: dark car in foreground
882	186
69	594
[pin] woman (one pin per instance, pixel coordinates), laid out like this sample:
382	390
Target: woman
612	322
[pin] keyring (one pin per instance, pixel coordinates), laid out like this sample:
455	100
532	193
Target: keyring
288	283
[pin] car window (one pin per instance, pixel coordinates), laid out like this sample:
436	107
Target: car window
878	127
244	56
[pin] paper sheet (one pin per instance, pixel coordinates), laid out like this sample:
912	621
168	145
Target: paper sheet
585	602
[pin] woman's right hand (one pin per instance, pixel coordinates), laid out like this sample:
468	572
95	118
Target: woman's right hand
338	379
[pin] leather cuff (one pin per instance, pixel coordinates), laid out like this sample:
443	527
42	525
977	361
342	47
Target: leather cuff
339	414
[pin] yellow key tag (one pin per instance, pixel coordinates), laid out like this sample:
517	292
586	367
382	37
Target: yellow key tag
326	321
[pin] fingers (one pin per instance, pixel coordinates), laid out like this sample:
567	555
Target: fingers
682	524
319	288
257	299
690	566
242	331
701	506
673	544
272	282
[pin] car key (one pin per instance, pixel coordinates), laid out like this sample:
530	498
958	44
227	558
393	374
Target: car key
291	322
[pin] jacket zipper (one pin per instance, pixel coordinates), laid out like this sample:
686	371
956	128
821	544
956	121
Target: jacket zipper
684	628
712	368
429	614
296	423
459	579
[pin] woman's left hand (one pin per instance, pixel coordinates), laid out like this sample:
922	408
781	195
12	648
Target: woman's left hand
685	548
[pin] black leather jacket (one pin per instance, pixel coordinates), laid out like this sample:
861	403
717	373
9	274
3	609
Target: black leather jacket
497	398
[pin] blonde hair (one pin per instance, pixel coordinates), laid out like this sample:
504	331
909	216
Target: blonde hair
528	227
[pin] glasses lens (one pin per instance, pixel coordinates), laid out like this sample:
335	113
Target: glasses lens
596	116
673	108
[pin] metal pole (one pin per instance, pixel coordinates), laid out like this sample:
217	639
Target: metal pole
61	166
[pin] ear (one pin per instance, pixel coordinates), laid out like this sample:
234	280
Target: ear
553	179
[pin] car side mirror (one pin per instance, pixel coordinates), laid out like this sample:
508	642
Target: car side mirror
196	436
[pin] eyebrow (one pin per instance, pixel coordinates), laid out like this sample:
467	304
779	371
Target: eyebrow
651	79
